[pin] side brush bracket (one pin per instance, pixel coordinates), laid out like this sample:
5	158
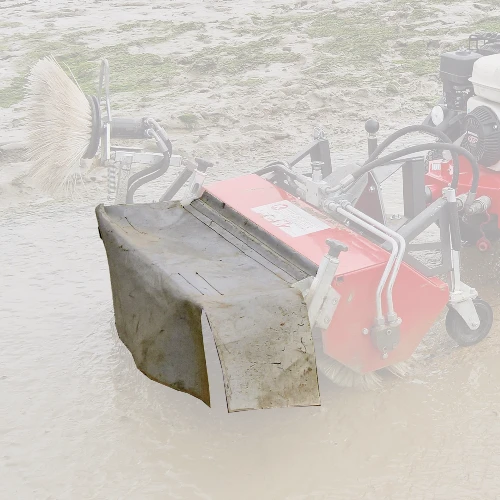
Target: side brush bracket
106	127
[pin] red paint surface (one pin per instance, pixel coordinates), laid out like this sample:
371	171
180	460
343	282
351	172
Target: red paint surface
489	183
417	299
250	191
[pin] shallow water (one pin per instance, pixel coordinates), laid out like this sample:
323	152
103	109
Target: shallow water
79	421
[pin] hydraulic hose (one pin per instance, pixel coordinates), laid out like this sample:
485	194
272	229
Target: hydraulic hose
425	147
276	166
399	259
408	130
153	172
279	166
145	176
390	263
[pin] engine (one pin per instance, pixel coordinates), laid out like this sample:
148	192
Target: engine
482	122
482	132
470	106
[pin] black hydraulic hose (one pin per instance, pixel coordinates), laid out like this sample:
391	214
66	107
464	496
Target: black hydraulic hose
265	170
273	167
416	128
181	179
146	175
425	147
140	178
404	131
278	167
455	236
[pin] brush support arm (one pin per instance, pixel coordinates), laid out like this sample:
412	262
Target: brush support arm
129	128
165	146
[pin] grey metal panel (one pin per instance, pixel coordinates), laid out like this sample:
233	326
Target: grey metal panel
423	220
414	188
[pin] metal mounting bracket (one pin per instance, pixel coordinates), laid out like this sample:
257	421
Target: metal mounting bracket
324	315
195	188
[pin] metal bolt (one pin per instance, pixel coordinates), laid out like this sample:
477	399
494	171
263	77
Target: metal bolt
388	332
366	331
385	355
371	189
474	325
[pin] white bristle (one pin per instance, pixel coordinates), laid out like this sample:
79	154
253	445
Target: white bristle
344	376
59	126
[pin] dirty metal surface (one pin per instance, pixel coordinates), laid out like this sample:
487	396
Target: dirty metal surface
167	267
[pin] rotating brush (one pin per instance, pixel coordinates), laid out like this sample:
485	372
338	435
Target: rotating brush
63	126
343	376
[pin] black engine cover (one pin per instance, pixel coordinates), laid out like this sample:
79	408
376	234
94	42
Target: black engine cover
482	135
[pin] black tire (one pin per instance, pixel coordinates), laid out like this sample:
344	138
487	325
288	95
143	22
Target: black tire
459	331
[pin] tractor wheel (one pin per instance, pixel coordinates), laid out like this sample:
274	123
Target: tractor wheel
458	329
